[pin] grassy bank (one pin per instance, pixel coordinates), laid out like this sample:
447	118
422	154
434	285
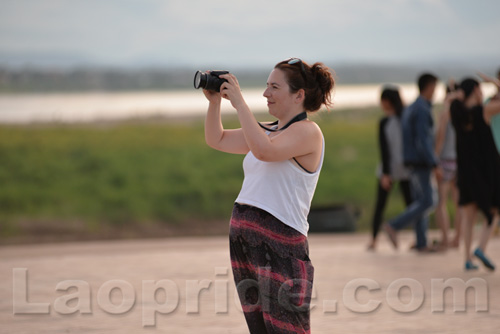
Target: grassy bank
159	176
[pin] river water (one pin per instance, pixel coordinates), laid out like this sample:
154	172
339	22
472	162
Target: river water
105	106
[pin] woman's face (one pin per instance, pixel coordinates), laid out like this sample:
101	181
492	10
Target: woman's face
280	100
387	107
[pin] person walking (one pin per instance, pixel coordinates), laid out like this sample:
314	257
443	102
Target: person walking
268	229
418	148
446	151
478	167
391	169
495	120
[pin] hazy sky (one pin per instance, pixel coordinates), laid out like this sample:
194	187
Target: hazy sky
257	32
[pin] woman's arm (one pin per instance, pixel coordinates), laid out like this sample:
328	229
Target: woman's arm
444	118
298	140
487	78
385	154
230	141
490	110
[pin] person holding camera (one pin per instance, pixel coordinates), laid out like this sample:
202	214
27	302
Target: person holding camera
268	229
445	149
478	167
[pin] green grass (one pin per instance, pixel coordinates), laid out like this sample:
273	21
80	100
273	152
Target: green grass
129	174
349	170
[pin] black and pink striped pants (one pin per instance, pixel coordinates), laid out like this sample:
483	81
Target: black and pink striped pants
272	272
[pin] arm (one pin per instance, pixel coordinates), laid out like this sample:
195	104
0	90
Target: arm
384	148
444	118
487	78
299	139
424	137
385	179
490	110
494	81
230	141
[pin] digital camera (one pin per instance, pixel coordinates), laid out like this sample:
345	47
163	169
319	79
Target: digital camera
209	81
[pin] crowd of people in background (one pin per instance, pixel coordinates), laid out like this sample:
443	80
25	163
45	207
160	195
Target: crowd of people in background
461	153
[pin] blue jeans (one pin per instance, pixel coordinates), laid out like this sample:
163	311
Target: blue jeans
417	212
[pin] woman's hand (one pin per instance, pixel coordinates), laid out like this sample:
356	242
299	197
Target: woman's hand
231	90
455	95
438	173
212	97
386	182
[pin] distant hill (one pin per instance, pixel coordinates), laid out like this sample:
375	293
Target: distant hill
52	78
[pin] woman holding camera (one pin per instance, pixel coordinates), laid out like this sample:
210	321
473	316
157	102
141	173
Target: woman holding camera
478	167
268	230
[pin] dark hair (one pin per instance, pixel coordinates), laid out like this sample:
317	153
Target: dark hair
391	94
317	83
464	118
425	80
498	73
468	85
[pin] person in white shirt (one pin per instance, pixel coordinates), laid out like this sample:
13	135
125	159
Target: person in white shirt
268	230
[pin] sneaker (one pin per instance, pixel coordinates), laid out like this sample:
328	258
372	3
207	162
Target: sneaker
487	263
470	266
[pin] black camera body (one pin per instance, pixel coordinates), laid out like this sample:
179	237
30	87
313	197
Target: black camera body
209	81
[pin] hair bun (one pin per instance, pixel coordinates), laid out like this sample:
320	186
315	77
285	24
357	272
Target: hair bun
317	83
324	81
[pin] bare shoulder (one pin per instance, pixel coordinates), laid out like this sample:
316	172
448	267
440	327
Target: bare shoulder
307	130
311	127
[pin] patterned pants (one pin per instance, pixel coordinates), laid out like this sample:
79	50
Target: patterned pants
272	272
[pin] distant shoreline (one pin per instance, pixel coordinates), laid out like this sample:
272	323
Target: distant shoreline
85	107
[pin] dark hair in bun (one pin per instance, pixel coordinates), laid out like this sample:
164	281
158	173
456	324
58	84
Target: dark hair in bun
317	81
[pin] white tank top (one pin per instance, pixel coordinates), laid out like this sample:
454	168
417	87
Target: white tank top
281	188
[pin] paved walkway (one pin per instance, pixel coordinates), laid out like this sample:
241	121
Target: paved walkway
355	291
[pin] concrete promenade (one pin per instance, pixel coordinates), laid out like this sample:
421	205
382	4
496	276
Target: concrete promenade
355	291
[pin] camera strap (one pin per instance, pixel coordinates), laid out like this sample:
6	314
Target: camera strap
298	118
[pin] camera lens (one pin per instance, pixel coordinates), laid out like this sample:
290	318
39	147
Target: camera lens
209	81
199	79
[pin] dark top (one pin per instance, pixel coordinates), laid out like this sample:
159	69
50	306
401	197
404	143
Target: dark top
418	135
478	161
390	139
385	154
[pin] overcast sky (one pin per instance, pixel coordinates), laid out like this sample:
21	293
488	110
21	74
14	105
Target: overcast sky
256	32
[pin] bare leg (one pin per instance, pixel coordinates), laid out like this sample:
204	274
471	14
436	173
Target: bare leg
468	220
442	216
487	232
457	223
